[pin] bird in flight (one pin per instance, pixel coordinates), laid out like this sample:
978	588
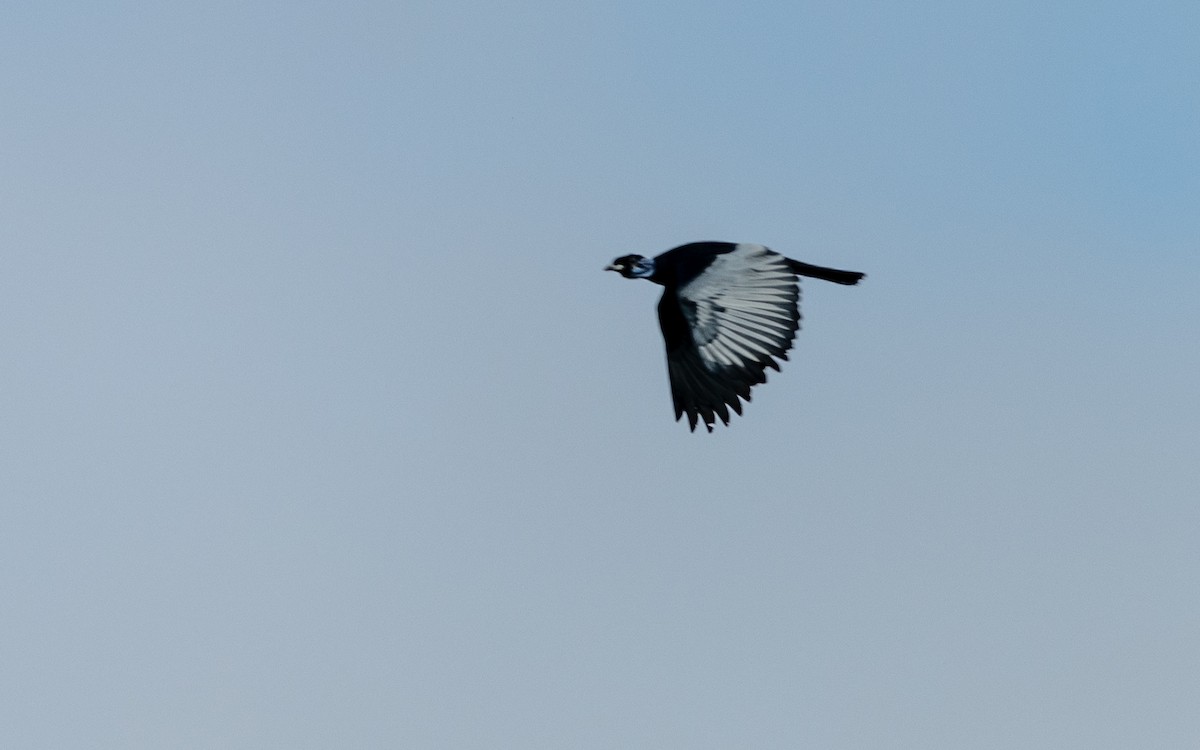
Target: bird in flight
728	310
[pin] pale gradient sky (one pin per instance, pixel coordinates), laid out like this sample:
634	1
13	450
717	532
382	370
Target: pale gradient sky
322	426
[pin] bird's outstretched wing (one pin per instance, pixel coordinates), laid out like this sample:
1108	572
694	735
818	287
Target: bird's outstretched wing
724	328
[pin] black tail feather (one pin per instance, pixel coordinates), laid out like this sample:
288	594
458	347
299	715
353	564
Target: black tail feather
849	278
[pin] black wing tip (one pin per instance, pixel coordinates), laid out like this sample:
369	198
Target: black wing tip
705	399
708	415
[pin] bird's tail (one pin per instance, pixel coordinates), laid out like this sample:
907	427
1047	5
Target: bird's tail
849	278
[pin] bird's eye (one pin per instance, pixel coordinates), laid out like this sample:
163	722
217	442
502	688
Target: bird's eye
643	267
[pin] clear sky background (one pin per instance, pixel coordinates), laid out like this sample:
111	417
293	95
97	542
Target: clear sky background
323	427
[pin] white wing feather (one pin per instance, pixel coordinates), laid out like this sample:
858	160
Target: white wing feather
743	310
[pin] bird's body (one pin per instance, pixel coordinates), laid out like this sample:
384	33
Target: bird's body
728	311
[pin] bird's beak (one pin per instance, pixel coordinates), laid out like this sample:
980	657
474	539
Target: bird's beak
611	267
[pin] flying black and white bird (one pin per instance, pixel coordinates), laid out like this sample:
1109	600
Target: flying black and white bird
728	310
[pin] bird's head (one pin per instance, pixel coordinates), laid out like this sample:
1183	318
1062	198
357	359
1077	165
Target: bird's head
632	266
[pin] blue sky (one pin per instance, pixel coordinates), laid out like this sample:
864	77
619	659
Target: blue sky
323	426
